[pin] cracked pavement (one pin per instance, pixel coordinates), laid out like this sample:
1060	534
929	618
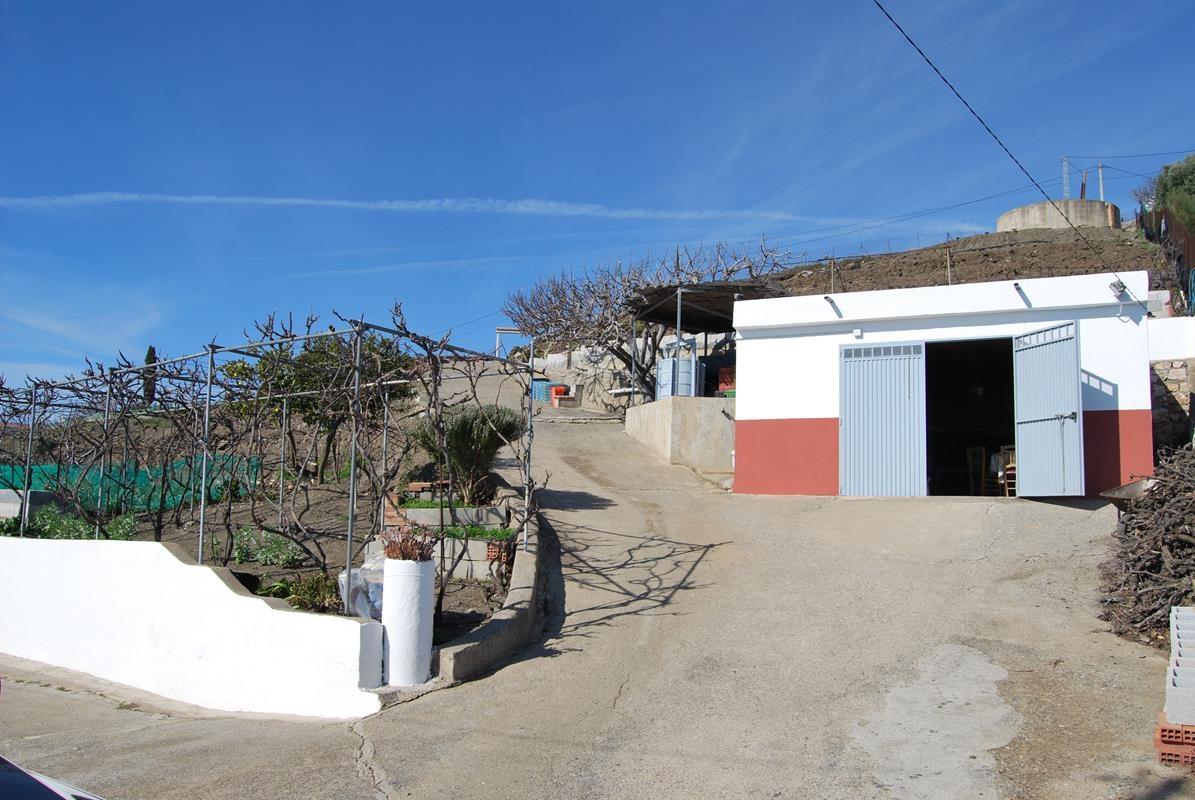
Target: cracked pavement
704	645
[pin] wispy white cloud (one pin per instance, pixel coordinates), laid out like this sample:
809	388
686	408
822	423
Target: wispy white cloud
15	372
469	205
109	329
415	265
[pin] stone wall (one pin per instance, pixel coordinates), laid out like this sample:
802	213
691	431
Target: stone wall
1171	386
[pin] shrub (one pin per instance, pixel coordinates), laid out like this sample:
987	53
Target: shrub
122	528
314	593
278	550
267	549
244	545
473	435
50	523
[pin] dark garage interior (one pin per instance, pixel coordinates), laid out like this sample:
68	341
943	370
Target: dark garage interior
969	415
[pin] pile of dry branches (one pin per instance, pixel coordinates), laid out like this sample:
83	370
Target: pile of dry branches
1153	563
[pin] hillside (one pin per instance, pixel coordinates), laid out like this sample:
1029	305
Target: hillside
987	257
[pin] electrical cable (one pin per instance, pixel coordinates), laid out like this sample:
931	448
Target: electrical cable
1008	152
1143	155
880	222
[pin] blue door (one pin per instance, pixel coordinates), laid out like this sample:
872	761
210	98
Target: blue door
1049	414
882	421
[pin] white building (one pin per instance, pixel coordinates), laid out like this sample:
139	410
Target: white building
896	392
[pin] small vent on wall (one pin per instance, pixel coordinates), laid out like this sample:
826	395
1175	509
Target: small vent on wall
880	352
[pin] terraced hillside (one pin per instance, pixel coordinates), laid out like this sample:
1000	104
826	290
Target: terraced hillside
987	257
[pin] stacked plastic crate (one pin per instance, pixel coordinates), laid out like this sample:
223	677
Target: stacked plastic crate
1175	737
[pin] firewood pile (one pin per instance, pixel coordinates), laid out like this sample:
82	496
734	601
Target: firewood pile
1153	561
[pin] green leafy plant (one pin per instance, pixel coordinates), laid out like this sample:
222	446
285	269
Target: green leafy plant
267	549
244	545
415	502
473	435
278	550
50	523
478	532
314	593
122	528
10	526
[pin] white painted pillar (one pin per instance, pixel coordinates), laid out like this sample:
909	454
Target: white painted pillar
408	605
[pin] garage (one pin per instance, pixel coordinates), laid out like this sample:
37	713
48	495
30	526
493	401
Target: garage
1019	388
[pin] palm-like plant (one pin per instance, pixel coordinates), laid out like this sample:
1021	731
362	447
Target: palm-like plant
473	435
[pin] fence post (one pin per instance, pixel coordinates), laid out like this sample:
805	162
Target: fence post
207	449
29	460
356	410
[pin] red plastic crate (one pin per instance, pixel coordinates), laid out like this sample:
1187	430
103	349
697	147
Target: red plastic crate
1174	734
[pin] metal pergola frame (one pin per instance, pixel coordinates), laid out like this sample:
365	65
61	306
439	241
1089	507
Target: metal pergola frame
108	377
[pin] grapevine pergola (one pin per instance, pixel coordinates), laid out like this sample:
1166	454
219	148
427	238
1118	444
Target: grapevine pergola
247	432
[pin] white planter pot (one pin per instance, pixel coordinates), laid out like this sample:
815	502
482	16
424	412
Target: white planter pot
408	605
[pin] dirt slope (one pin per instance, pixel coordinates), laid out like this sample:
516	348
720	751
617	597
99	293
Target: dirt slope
987	257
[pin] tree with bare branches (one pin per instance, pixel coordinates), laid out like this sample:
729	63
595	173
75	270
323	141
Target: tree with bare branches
592	309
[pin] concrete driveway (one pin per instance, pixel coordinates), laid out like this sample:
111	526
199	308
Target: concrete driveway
705	645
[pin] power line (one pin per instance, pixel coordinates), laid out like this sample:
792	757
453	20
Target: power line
1008	152
857	227
1138	155
459	326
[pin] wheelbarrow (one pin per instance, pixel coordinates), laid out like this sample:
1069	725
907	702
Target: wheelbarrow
1121	496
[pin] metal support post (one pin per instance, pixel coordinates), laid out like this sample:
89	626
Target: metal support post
282	466
530	440
676	350
207	448
634	364
191	463
99	490
28	484
356	411
385	456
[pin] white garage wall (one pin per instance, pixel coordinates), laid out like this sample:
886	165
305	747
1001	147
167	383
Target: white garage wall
1171	338
131	612
788	349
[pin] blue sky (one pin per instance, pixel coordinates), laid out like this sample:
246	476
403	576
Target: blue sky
171	172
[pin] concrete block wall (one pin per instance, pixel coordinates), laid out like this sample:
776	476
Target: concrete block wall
1171	389
135	613
1180	675
696	432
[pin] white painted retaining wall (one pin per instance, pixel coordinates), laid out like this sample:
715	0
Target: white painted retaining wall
132	612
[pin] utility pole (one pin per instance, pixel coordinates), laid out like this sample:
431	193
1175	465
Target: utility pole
1066	179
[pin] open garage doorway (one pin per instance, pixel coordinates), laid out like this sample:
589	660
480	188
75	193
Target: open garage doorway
969	415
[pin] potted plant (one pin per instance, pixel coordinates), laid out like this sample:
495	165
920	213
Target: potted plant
408	605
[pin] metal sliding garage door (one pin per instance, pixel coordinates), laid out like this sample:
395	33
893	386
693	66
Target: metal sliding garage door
882	422
1049	415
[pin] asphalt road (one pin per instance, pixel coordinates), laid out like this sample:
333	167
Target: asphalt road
705	645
